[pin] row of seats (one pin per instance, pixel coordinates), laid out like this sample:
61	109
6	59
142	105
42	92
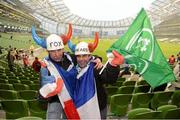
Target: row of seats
122	82
19	86
121	103
112	90
18	81
162	112
20	108
22	94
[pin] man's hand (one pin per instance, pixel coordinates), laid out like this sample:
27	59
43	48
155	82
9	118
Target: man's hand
117	60
98	63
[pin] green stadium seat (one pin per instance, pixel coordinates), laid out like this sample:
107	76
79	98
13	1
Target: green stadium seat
148	115
172	114
4	77
27	82
119	104
165	108
134	112
8	94
30	118
13	81
12	77
111	90
129	83
176	98
33	78
160	98
125	90
119	83
34	86
4	81
141	100
121	79
142	89
37	108
5	86
36	82
19	86
28	94
15	108
142	82
23	78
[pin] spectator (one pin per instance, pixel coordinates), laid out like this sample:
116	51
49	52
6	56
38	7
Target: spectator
172	60
36	65
11	37
31	50
25	60
178	57
91	78
0	50
10	59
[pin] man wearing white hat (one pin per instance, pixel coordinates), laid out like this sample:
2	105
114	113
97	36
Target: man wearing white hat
90	96
55	69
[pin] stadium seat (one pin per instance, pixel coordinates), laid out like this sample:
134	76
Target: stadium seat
23	78
148	115
36	81
172	114
121	79
29	118
4	77
119	104
142	89
125	90
37	108
12	81
27	82
12	77
4	86
141	100
111	90
134	112
142	82
15	108
34	86
33	78
4	81
117	83
129	83
19	86
165	108
160	98
176	98
28	94
8	94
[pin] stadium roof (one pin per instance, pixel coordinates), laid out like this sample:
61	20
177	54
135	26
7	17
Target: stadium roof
57	10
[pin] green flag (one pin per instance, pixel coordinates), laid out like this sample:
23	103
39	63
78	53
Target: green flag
140	49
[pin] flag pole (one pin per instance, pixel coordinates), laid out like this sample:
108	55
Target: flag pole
103	67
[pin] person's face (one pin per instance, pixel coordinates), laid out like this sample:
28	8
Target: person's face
56	55
82	60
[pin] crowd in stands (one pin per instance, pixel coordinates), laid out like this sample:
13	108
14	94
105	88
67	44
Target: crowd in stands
21	56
